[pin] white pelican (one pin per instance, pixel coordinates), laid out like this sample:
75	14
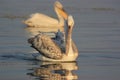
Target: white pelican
50	51
42	20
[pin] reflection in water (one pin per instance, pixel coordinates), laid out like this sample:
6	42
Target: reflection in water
55	71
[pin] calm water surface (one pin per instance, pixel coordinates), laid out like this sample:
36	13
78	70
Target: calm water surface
96	33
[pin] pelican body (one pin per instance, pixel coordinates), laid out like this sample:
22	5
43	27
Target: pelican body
51	51
42	20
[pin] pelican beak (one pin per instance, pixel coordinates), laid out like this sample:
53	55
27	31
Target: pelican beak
63	13
60	10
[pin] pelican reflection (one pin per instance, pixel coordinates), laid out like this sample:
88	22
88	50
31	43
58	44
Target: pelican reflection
55	71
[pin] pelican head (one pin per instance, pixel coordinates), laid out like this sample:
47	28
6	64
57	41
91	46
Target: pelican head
70	21
58	4
60	10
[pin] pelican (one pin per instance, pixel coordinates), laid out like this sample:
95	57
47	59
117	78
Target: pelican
50	51
42	20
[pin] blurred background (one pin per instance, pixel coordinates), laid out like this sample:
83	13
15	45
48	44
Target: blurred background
96	34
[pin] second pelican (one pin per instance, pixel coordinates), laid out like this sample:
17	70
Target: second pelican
42	20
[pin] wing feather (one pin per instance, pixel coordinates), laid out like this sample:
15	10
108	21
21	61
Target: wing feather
46	46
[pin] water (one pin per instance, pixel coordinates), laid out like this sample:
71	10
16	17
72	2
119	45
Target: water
96	35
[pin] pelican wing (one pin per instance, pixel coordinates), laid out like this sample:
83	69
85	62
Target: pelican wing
39	19
46	46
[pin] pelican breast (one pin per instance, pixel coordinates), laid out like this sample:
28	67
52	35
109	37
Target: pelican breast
46	46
